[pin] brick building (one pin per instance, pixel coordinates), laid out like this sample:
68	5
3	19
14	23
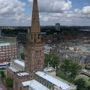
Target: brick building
8	51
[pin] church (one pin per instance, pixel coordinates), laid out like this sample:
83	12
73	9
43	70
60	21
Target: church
31	73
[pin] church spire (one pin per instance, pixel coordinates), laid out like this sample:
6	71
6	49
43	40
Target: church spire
34	50
35	24
35	18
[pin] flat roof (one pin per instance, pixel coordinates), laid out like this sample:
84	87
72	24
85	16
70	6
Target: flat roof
47	47
48	69
13	69
53	80
19	62
4	44
35	85
4	63
23	74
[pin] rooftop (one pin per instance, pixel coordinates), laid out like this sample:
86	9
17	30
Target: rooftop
34	85
49	69
53	80
19	62
13	69
23	74
4	63
47	47
6	41
4	44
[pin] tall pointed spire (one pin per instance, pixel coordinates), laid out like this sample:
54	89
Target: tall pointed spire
34	48
35	18
35	24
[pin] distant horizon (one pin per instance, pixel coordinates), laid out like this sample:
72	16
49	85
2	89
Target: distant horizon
41	25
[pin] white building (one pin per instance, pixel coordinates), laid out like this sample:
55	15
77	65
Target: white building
58	84
47	49
17	65
34	85
42	81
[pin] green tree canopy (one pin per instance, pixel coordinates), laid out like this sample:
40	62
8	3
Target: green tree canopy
52	60
88	88
9	82
81	85
22	56
70	68
2	74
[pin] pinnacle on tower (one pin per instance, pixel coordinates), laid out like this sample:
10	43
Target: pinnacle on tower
35	24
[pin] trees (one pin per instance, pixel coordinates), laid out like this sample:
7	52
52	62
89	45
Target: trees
52	60
81	85
22	56
70	68
9	82
2	74
88	88
47	59
6	80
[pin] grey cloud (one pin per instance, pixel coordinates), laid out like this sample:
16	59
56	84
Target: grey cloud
54	5
52	11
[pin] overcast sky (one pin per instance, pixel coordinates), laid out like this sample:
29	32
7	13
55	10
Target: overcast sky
65	12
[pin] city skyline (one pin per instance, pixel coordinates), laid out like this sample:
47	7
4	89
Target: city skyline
66	12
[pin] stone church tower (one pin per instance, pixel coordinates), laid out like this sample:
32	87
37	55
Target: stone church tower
34	60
